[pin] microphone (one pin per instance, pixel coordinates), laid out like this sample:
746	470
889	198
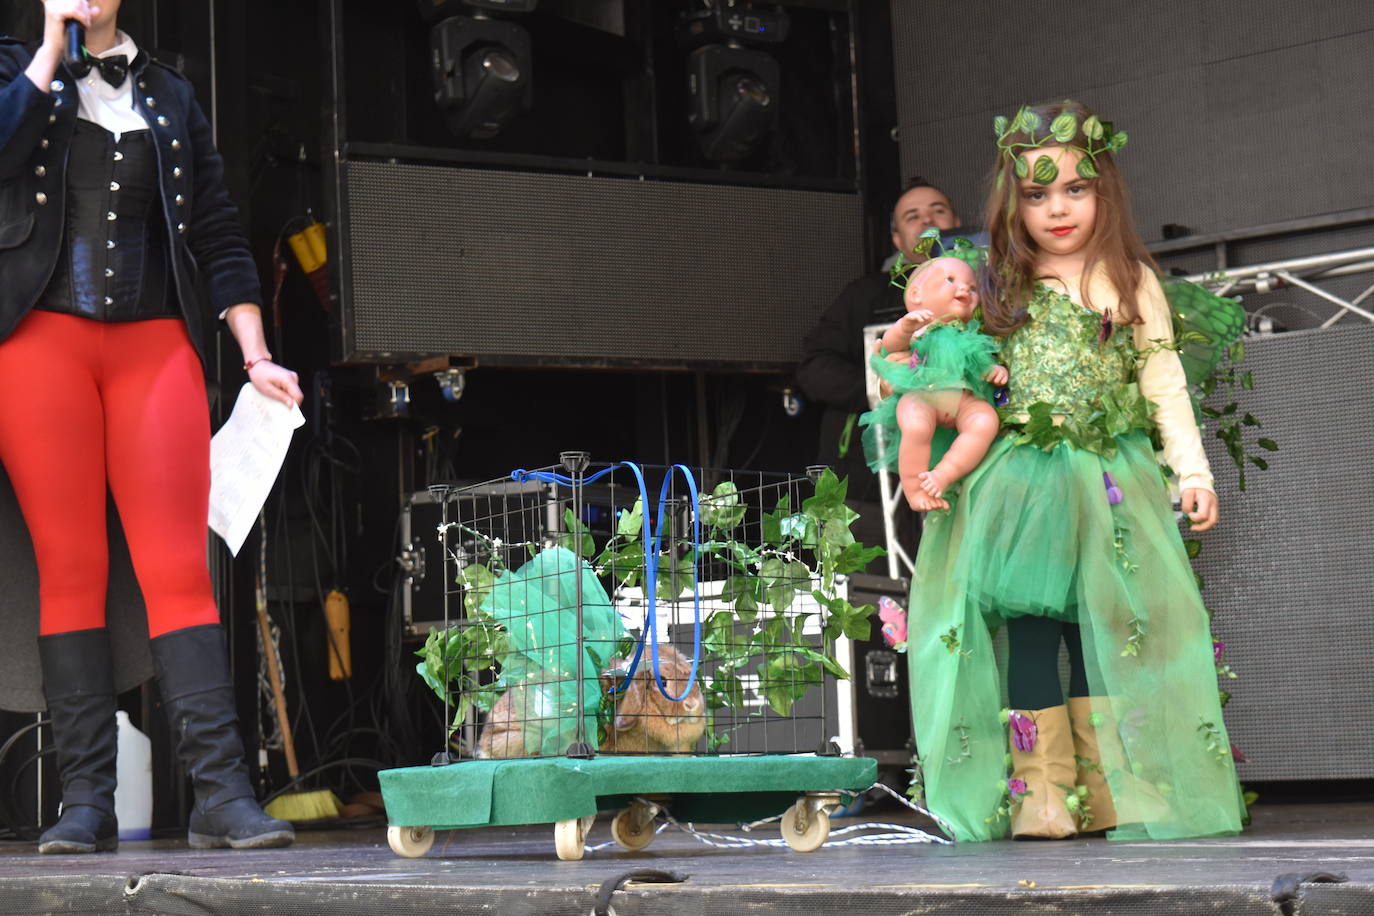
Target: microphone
74	53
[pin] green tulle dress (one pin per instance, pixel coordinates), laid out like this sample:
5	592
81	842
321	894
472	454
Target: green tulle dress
1034	530
949	357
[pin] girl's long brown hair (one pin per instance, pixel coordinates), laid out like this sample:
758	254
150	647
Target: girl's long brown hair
1009	278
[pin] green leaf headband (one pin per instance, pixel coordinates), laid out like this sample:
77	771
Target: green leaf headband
1099	137
903	270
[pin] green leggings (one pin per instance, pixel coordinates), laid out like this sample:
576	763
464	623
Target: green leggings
1033	662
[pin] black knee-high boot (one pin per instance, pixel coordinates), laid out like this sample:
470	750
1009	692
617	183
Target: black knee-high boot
78	681
192	667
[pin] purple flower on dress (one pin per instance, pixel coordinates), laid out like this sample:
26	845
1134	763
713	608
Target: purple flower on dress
1218	648
916	361
1113	491
1016	788
1023	731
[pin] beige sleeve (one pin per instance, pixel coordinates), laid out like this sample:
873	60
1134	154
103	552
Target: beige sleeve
1162	381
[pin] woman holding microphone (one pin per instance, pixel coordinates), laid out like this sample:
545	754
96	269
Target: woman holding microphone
113	210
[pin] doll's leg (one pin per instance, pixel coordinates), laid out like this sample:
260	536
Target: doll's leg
917	421
977	424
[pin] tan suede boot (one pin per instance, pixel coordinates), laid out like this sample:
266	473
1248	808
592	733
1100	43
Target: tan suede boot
1141	801
1042	758
1091	775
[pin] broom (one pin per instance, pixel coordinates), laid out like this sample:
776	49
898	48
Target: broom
289	806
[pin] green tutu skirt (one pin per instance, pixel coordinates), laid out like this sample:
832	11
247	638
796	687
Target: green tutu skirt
949	357
1036	532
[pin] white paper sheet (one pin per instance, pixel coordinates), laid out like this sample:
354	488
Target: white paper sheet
245	457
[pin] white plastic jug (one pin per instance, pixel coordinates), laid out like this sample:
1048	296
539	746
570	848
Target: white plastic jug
134	790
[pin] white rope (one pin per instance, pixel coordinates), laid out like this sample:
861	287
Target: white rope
896	835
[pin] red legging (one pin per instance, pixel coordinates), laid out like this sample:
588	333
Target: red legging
86	402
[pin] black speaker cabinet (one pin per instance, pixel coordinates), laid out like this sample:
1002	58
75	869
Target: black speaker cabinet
1287	572
526	268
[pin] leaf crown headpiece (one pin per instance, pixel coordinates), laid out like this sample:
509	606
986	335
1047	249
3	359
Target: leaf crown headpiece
1097	137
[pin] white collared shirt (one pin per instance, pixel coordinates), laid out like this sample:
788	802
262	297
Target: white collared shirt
112	108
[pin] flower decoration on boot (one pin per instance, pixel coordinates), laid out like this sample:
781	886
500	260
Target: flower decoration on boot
1023	731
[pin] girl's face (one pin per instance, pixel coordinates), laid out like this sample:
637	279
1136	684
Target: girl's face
1059	216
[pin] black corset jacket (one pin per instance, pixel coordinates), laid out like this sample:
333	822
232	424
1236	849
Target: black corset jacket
113	262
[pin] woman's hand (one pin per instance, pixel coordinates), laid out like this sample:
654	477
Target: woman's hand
276	382
55	16
1201	508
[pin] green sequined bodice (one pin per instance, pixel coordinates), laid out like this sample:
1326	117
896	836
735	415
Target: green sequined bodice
1056	357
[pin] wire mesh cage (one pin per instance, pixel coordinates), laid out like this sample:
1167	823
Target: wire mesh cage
599	609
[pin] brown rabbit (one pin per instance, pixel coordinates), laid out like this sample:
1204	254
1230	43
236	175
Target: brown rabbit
504	732
647	722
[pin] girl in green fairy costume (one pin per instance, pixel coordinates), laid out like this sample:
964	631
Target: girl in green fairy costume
1064	534
941	371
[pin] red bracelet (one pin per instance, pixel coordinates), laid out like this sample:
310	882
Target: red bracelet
253	362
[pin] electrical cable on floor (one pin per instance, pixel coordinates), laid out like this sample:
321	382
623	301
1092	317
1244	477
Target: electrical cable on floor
896	835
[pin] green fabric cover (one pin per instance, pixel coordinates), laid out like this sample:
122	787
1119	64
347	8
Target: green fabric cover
537	604
479	793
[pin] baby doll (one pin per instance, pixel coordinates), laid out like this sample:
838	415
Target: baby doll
946	381
647	722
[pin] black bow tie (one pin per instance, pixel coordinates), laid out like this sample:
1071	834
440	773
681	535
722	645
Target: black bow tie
114	69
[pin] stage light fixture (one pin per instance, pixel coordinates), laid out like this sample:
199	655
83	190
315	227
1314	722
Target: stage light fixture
482	67
733	91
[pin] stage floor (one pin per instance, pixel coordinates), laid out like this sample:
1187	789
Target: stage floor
514	871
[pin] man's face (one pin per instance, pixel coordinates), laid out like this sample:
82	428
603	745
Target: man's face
916	211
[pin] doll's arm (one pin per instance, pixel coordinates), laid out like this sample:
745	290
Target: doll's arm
997	375
897	338
1163	383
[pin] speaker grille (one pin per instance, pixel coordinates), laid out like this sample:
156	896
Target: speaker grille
1287	573
1213	95
536	268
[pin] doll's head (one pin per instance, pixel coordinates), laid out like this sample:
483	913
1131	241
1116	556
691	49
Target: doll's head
947	287
1056	190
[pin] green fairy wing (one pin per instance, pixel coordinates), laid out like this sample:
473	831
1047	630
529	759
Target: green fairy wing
1205	326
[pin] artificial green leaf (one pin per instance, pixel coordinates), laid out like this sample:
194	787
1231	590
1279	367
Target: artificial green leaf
1117	140
729	688
772	521
856	557
719	632
1045	171
723	509
477	582
631	522
1267	444
1194	547
576	538
1247	381
1259	462
1030	121
1022	170
999	125
1237	351
1092	127
1064	127
1086	168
